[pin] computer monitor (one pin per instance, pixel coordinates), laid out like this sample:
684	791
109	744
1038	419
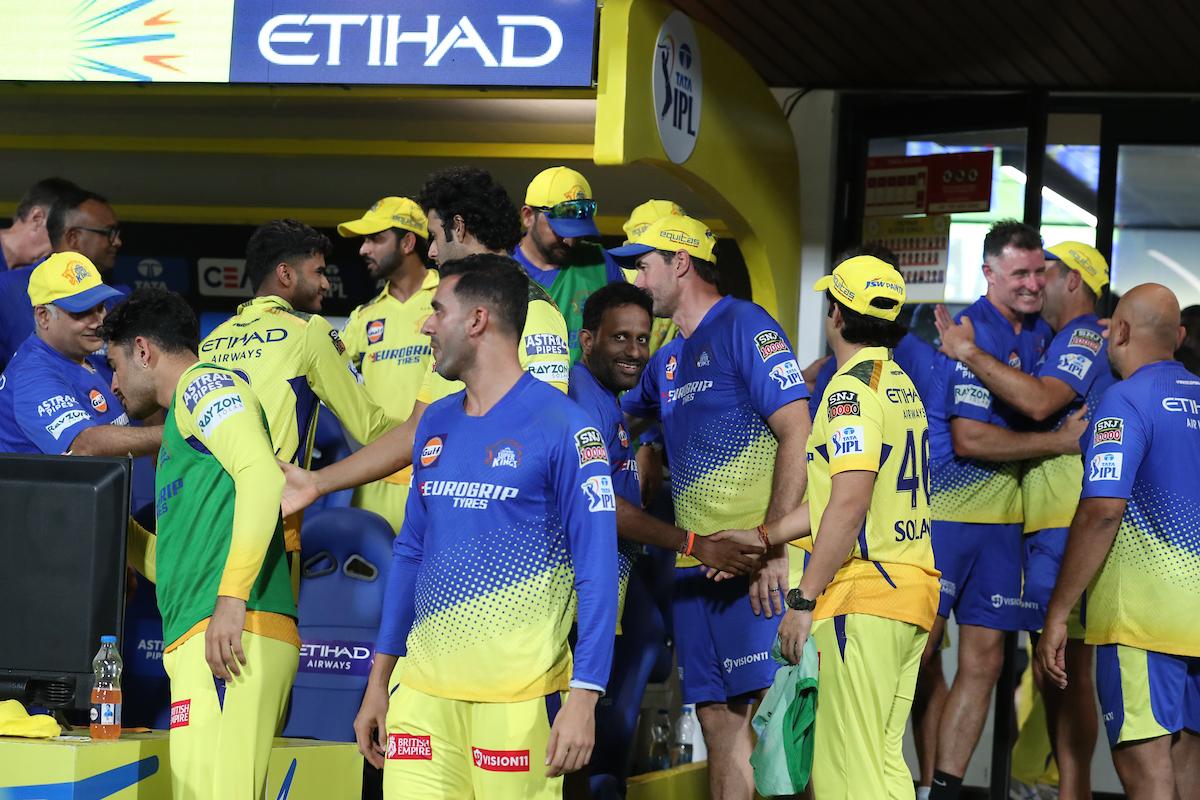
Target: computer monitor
62	572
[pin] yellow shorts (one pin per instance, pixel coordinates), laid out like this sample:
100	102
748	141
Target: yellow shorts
454	749
868	672
384	498
221	736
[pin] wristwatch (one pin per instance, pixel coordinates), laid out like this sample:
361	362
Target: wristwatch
799	602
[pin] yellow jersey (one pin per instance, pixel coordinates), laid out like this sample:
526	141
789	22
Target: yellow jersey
294	361
871	418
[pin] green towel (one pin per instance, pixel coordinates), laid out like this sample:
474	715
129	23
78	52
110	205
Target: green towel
782	759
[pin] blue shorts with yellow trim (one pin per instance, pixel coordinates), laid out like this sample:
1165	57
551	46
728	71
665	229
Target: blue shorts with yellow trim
1043	558
439	748
722	648
1144	694
981	573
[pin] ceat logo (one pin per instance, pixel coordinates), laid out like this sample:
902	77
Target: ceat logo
375	331
501	760
98	401
431	451
181	714
409	747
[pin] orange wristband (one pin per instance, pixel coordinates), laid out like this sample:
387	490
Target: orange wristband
685	547
763	537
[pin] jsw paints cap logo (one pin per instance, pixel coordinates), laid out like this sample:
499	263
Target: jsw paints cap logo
501	760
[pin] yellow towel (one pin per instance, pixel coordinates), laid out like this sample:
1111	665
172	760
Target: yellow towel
16	721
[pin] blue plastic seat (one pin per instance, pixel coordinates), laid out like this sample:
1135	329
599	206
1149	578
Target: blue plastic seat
345	556
330	445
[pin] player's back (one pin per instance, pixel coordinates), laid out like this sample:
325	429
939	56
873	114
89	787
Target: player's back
1146	447
872	418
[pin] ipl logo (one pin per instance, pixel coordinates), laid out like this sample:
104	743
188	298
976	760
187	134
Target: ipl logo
678	88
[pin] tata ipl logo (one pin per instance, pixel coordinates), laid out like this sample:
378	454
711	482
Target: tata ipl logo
678	86
117	40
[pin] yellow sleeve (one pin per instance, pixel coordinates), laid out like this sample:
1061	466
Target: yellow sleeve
543	350
141	546
228	421
435	387
339	385
354	338
854	428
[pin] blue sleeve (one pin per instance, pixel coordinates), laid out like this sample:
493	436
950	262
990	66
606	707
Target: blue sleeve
1071	359
828	370
583	485
642	401
763	358
48	412
966	396
1118	441
408	550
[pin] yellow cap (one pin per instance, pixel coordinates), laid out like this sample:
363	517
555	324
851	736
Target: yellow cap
648	212
69	281
1084	259
390	212
857	281
671	234
555	185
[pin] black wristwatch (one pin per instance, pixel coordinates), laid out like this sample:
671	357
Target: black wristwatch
798	601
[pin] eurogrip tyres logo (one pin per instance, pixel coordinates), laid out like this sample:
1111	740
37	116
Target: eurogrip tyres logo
117	40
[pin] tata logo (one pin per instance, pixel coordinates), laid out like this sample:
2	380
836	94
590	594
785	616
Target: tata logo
678	87
302	40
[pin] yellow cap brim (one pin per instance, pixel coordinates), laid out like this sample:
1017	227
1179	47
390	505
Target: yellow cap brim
361	227
823	283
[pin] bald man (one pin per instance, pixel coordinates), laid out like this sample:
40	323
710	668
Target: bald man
1135	539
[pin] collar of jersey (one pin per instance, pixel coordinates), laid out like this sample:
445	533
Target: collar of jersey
432	279
866	354
266	300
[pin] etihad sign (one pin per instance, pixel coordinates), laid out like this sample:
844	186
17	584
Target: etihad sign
303	40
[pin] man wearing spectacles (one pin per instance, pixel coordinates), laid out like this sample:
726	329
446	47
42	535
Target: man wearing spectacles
85	223
559	213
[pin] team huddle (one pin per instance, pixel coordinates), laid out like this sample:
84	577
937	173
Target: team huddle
506	383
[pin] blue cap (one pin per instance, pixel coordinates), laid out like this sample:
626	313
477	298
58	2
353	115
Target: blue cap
573	228
88	299
108	638
630	251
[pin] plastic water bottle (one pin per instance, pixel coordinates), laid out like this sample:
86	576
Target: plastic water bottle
106	692
685	733
660	732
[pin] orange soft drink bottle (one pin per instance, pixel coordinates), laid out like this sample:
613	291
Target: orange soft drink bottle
106	692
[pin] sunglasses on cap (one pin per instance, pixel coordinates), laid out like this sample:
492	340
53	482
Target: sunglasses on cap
570	209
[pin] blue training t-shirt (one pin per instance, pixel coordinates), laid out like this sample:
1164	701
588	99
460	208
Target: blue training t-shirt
16	314
966	489
713	393
510	517
46	400
1145	448
913	354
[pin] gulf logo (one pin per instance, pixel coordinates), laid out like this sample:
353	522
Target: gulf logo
98	401
431	451
375	331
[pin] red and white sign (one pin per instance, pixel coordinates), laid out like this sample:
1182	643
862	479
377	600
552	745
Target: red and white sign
409	747
501	760
223	277
181	714
939	184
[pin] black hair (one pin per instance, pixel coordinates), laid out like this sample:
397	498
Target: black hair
497	282
473	194
706	270
1008	232
159	315
1189	352
71	198
873	249
614	295
44	194
867	330
280	240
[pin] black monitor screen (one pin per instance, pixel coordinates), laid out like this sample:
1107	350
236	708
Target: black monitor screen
62	566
